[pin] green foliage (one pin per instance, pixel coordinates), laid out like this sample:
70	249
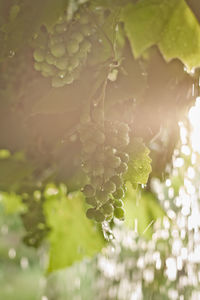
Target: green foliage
72	235
139	166
142	210
169	24
12	203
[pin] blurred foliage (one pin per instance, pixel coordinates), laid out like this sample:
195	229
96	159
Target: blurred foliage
21	267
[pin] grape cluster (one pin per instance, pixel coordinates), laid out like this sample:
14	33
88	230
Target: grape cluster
104	160
61	53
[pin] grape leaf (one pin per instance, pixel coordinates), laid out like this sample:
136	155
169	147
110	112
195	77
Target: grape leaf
169	24
141	208
139	166
181	37
72	235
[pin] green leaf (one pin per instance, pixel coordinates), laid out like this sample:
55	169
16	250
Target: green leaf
181	37
169	24
142	210
72	235
139	166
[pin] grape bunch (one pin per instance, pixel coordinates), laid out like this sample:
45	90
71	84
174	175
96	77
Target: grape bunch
61	53
104	160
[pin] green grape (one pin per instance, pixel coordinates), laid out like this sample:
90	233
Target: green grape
119	213
88	191
72	47
113	161
107	209
58	50
109	187
118	203
102	196
91	201
119	193
117	180
50	59
91	212
48	69
68	79
62	63
99	217
62	74
74	62
39	55
122	168
109	218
